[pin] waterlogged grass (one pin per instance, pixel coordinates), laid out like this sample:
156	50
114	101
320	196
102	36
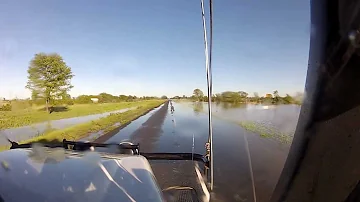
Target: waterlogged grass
106	124
265	131
30	116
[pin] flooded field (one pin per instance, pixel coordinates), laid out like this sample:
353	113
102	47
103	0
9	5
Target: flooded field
246	164
271	121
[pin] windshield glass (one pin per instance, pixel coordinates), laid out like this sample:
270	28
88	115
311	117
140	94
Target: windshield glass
136	71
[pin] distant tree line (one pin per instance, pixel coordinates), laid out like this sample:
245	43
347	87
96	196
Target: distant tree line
243	97
108	98
16	104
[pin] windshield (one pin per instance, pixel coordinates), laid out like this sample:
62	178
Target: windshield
136	71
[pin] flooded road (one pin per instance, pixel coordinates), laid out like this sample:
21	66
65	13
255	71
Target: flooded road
246	165
27	132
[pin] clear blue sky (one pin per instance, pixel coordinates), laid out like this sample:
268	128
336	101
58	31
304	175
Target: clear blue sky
156	47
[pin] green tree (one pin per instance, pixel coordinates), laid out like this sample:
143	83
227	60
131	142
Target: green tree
164	97
205	98
83	99
230	96
106	98
288	99
218	97
243	94
198	94
256	97
122	97
276	93
276	98
49	77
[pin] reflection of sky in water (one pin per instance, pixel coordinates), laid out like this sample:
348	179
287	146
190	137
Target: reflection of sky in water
27	132
282	118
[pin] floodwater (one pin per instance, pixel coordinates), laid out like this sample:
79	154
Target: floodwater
246	165
280	118
27	132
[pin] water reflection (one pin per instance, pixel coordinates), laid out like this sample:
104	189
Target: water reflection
198	107
278	119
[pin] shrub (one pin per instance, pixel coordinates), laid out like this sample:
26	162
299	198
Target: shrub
69	102
6	107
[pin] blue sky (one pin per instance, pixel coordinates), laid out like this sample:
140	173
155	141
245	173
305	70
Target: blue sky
156	47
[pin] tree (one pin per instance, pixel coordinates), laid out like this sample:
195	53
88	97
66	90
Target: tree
243	94
276	93
276	98
288	99
122	97
49	77
164	97
106	98
218	97
230	96
83	99
256	97
198	94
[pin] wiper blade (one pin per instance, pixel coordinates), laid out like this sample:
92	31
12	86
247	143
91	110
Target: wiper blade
74	145
175	156
84	146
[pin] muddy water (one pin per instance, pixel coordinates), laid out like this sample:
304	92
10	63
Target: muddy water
235	150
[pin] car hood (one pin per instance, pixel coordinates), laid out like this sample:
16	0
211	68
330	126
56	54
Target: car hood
42	174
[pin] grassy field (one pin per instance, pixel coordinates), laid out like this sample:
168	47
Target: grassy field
82	130
33	115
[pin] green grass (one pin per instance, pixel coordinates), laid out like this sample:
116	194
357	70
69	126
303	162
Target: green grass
265	131
82	130
33	115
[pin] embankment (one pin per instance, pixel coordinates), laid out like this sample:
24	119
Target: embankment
29	116
140	132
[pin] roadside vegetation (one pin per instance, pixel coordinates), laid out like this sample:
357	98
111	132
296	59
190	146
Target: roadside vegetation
105	124
36	114
49	81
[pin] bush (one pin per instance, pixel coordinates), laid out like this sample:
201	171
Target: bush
6	107
20	104
69	102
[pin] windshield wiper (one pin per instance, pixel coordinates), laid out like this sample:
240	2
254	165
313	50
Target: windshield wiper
135	148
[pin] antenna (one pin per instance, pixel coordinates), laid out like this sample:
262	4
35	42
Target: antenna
193	147
209	87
